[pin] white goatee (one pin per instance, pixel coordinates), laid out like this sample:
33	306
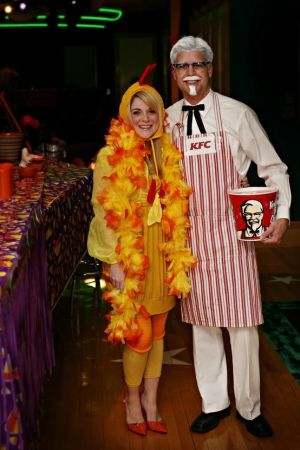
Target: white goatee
192	89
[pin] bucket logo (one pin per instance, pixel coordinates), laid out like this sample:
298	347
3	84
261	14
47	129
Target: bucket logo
254	209
253	213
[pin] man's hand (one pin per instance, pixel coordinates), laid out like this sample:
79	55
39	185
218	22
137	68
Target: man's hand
275	232
245	182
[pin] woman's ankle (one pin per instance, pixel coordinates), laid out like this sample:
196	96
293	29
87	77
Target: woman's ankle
150	408
134	412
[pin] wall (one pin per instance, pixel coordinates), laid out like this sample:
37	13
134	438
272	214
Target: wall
265	73
65	79
260	66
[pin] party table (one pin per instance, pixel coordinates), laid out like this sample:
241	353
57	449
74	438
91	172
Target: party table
43	230
66	201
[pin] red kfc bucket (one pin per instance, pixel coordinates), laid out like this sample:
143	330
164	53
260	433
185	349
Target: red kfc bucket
254	208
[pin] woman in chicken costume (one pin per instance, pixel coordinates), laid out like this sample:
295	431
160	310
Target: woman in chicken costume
140	232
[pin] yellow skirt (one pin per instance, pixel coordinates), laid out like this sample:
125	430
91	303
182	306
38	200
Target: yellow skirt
155	298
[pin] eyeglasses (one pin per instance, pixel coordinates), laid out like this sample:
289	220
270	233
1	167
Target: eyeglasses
195	65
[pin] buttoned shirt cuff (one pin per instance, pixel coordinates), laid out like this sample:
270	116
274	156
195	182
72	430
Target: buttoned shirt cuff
283	212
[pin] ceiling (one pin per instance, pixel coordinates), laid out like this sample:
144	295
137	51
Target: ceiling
134	4
138	15
93	5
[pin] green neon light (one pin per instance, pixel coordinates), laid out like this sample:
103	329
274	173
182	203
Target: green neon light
45	16
86	25
23	25
103	19
118	12
91	18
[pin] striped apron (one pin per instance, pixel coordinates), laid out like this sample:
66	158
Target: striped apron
225	283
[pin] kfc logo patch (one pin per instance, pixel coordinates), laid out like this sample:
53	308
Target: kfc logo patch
200	145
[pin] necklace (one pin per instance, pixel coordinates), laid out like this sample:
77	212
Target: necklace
124	216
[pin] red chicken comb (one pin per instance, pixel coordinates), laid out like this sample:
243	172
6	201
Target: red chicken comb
147	71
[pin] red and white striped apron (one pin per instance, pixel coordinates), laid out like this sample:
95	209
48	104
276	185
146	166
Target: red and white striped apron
225	283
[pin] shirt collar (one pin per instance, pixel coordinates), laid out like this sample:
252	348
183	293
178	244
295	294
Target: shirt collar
207	101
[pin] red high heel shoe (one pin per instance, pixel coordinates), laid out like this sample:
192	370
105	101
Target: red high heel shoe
136	427
159	426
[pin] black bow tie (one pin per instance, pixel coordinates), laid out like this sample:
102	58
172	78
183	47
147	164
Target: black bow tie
253	233
195	109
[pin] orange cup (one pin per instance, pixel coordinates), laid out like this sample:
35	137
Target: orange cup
6	180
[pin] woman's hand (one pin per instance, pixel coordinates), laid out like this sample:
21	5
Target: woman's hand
117	276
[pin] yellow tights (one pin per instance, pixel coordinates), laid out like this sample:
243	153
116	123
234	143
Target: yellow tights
144	360
139	365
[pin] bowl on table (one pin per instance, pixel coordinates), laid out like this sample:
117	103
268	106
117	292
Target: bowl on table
27	172
38	162
10	145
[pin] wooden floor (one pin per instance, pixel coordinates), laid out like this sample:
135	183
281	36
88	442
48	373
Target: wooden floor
83	408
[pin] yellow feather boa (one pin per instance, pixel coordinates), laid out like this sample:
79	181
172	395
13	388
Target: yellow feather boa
124	216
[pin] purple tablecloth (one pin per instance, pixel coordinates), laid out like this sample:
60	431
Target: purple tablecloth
67	204
35	233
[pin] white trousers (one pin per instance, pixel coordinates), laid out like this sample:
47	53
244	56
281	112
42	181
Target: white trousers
211	369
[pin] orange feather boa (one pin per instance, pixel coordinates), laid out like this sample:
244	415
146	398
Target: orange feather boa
124	216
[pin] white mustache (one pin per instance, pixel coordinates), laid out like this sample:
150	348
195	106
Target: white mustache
191	78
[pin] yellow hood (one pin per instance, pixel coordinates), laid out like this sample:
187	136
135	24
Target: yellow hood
126	99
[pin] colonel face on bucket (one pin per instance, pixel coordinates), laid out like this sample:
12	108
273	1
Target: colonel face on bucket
254	208
253	212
